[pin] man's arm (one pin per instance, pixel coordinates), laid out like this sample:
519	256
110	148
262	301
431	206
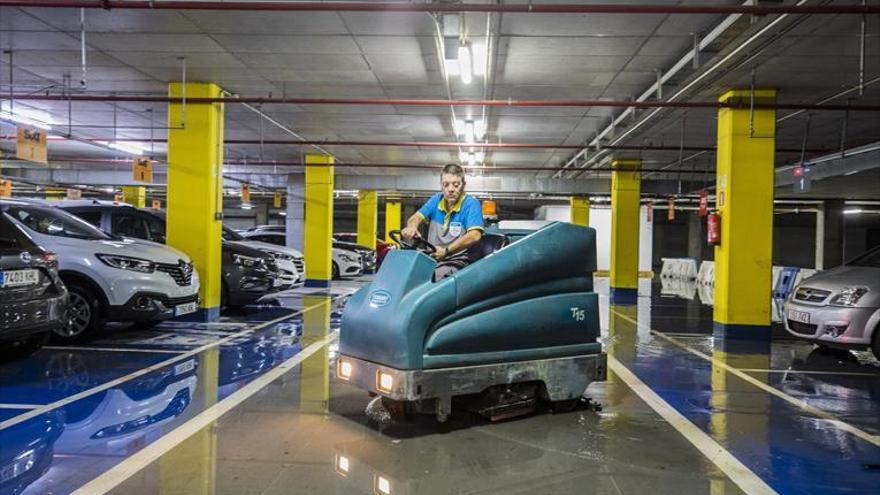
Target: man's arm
412	226
472	237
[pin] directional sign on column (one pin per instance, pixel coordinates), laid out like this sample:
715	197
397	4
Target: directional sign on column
245	192
31	145
802	182
276	201
5	188
142	169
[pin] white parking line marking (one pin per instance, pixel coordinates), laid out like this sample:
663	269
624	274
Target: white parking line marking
834	420
109	349
19	406
144	457
180	357
809	372
744	477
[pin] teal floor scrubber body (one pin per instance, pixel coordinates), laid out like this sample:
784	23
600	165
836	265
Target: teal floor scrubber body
510	331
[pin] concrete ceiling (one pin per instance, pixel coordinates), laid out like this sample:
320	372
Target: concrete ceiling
394	55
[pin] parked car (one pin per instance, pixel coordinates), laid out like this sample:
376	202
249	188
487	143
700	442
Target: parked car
382	247
368	256
345	263
291	263
840	307
33	299
248	273
109	278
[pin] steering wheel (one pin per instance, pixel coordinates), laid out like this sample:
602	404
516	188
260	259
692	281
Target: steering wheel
414	243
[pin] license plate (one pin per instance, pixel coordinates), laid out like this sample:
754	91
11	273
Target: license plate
17	278
799	316
186	367
185	309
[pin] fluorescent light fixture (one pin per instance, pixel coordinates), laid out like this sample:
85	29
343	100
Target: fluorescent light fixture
126	146
465	63
853	211
470	130
282	213
246	206
26	116
479	55
469	134
472	159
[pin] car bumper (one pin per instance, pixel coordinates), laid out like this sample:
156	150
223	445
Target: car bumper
347	269
833	325
23	319
560	375
149	306
127	284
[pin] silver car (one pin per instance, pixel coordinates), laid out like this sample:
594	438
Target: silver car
840	307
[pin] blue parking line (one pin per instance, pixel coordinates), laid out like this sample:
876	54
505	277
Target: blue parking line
789	449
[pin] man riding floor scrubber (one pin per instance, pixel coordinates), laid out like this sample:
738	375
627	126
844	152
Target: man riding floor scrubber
515	328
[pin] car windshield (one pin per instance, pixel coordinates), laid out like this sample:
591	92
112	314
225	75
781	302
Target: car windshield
231	235
870	259
54	222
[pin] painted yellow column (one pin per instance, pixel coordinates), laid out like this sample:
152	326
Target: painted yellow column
744	200
392	217
135	196
318	243
195	198
580	211
368	218
625	204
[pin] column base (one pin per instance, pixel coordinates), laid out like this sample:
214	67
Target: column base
203	315
322	284
741	339
623	296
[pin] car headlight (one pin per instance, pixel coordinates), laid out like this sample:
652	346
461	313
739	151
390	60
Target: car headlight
849	296
247	261
281	256
347	257
127	263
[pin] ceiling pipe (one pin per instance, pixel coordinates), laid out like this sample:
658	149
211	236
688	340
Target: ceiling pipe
421	144
296	163
712	105
437	7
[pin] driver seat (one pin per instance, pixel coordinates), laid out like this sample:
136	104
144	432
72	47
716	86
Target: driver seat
488	244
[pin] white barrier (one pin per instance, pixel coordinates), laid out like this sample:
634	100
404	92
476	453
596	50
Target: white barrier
679	269
706	274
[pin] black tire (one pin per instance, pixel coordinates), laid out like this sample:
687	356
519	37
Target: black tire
335	271
566	406
875	342
86	316
24	347
398	410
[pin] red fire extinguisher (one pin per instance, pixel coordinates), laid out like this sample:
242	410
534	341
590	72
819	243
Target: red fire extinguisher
713	227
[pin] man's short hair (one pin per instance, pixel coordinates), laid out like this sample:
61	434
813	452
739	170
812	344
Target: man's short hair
453	169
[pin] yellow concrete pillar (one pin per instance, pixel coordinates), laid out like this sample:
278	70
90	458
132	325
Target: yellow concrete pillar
368	218
195	198
744	200
314	391
135	196
392	216
625	204
319	220
580	211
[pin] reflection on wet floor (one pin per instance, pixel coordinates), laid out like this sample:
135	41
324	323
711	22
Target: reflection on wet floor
305	432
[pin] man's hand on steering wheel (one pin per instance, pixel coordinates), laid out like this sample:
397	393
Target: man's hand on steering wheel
410	233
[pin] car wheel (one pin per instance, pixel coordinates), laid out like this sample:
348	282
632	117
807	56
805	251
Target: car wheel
875	342
85	315
24	347
335	271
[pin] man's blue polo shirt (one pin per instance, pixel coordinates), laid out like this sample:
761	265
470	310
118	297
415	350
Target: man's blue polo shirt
446	226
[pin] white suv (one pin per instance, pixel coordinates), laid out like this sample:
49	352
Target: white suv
109	278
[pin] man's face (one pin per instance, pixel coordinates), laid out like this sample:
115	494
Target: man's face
452	187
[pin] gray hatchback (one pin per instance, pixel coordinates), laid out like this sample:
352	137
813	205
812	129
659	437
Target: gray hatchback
839	308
